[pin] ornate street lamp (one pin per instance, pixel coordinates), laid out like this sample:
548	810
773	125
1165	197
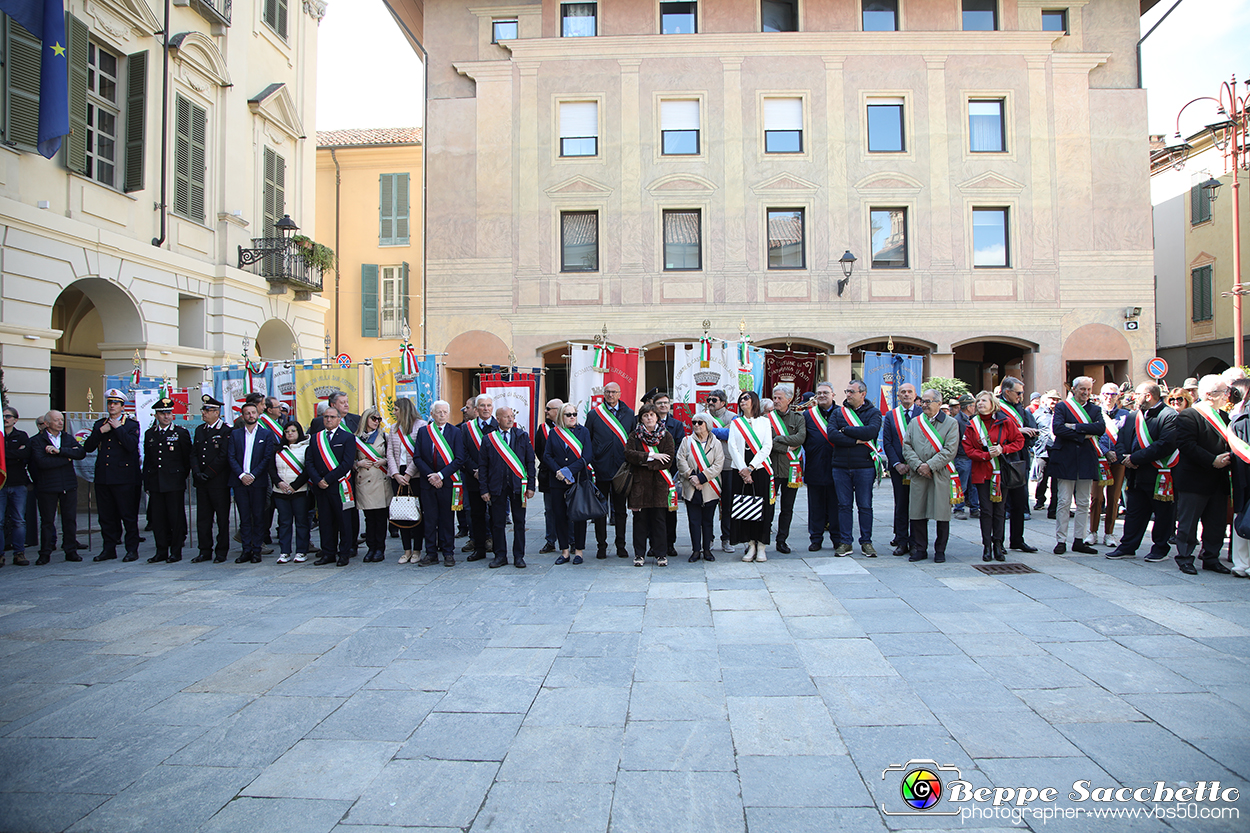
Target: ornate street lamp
848	266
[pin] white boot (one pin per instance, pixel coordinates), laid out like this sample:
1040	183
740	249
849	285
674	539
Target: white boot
760	555
750	551
1109	540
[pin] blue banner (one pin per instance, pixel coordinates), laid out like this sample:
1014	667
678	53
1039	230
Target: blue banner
884	372
423	390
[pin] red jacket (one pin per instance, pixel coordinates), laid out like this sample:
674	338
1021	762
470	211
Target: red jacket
1002	431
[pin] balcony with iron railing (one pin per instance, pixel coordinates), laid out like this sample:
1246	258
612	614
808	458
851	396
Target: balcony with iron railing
217	11
283	262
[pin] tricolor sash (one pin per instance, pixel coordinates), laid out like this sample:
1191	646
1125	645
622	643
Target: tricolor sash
409	443
715	419
1078	412
702	464
996	491
1112	431
369	451
296	465
267	421
930	433
475	434
794	462
1163	481
510	459
255	369
822	424
407	360
1235	444
331	462
443	449
754	444
853	418
900	419
614	424
668	481
1011	412
574	444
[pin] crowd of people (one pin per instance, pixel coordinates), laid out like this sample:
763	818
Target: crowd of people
1173	457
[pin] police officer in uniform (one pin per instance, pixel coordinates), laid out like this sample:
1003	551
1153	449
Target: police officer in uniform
210	468
166	464
117	476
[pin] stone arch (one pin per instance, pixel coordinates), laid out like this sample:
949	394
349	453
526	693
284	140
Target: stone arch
274	340
199	51
100	326
1098	351
466	353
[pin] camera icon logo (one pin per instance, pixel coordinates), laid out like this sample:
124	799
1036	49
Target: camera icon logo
920	787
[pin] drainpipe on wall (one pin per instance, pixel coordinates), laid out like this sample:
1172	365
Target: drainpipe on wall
157	241
338	255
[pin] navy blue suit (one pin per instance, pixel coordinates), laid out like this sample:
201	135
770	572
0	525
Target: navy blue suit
902	490
1139	499
1073	456
337	532
439	520
251	498
479	512
556	456
497	479
822	498
607	453
854	469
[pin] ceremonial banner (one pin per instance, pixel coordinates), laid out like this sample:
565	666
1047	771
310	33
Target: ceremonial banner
283	384
126	384
692	381
798	369
384	387
518	391
884	372
753	373
586	384
315	384
230	387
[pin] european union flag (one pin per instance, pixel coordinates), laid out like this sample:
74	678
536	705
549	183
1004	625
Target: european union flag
45	19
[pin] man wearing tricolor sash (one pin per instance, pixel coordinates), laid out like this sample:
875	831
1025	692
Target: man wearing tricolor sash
472	437
854	430
506	474
1107	496
544	474
1201	477
1147	445
719	415
896	422
609	424
822	497
439	457
929	448
329	461
789	433
1015	407
1077	462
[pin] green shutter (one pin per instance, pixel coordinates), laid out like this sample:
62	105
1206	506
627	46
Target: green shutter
1199	205
274	191
403	295
281	27
190	136
1202	292
22	91
386	210
369	300
401	209
136	119
199	162
77	35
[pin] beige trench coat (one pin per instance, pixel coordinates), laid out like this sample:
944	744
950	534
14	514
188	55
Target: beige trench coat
373	485
931	496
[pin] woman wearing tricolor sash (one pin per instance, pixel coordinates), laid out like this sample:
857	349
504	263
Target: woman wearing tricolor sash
653	491
929	448
991	436
566	456
699	464
750	450
290	495
373	487
401	444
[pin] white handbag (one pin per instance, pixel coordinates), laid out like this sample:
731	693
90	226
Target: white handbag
405	510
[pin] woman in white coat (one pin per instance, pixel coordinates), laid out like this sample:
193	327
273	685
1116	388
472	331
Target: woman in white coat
750	446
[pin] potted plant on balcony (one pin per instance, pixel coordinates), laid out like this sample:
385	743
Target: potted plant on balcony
314	254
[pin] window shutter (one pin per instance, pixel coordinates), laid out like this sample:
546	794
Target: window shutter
136	119
783	114
77	35
279	188
198	162
281	18
386	209
190	129
1199	203
369	300
22	66
403	294
679	115
401	210
273	191
579	119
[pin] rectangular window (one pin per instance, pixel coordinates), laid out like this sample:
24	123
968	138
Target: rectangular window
390	301
679	127
579	128
986	133
785	238
1199	201
1055	21
783	125
889	238
779	15
880	15
683	232
103	114
503	30
274	192
274	15
578	20
679	18
579	241
885	125
394	208
1201	278
190	135
989	237
980	15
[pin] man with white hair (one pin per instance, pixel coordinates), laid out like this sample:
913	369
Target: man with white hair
1202	482
1076	462
472	434
1108	497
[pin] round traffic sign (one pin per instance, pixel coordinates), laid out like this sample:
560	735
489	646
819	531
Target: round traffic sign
344	360
1157	368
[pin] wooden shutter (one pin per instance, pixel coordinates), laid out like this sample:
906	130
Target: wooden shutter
281	24
401	209
386	209
1199	204
369	300
190	137
274	191
22	67
76	35
136	120
403	295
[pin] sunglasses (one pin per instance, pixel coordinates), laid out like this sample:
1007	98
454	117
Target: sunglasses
1176	399
570	413
697	422
713	399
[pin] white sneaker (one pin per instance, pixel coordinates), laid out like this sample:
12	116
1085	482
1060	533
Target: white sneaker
750	551
725	546
760	554
284	558
300	558
1109	540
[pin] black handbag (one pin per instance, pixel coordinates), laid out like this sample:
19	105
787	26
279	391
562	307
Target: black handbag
1241	522
623	480
1015	473
584	501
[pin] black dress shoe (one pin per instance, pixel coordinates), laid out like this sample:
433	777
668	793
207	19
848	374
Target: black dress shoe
694	556
256	558
601	554
174	559
707	556
672	552
987	553
901	549
1216	567
41	560
621	552
342	562
477	556
73	556
498	561
1020	546
783	548
519	562
323	560
550	547
1082	547
1000	554
427	561
916	556
245	558
939	558
1187	569
131	556
158	559
1061	548
814	547
449	561
201	558
219	559
379	556
105	556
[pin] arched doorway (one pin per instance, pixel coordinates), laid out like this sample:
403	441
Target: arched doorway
1098	351
984	362
93	315
275	341
902	346
1214	364
469	355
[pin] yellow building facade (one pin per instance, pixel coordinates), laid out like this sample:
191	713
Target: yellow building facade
647	166
369	212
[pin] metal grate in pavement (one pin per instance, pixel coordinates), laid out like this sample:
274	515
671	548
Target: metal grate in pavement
1004	569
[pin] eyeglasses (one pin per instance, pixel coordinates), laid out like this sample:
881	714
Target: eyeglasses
849	390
